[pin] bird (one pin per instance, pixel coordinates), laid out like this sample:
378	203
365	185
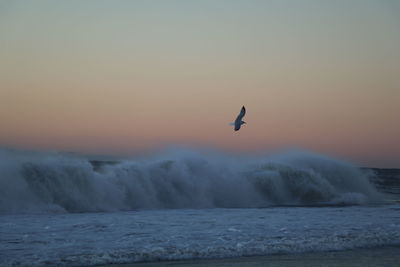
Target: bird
238	122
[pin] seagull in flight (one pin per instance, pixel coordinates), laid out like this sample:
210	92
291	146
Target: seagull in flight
238	122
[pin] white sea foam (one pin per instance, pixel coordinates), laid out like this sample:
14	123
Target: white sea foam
87	239
178	178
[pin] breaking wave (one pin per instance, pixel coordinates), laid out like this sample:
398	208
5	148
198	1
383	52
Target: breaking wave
55	182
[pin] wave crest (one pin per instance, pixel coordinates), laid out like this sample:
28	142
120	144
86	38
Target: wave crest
52	182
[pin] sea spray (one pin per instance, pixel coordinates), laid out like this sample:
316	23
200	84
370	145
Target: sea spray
178	178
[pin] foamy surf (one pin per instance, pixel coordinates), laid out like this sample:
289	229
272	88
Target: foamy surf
55	182
89	239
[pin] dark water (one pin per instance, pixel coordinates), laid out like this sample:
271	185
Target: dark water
54	182
88	239
387	181
58	210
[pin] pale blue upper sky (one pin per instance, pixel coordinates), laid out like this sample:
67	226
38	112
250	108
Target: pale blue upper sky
119	76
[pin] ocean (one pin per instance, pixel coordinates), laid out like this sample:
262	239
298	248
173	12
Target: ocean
58	209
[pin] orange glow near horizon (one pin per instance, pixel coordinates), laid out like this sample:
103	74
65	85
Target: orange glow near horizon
116	78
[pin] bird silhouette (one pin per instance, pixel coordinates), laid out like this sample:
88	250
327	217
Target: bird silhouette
238	122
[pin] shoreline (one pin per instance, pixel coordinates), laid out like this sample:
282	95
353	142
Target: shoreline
379	256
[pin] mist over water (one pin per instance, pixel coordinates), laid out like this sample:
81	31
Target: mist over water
177	178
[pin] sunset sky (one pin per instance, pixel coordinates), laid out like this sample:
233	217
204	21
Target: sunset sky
117	77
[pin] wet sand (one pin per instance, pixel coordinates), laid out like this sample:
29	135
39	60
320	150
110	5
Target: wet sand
383	256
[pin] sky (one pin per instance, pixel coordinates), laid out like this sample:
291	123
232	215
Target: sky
117	77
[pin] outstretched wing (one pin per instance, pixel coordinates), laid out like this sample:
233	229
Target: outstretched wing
241	114
239	118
